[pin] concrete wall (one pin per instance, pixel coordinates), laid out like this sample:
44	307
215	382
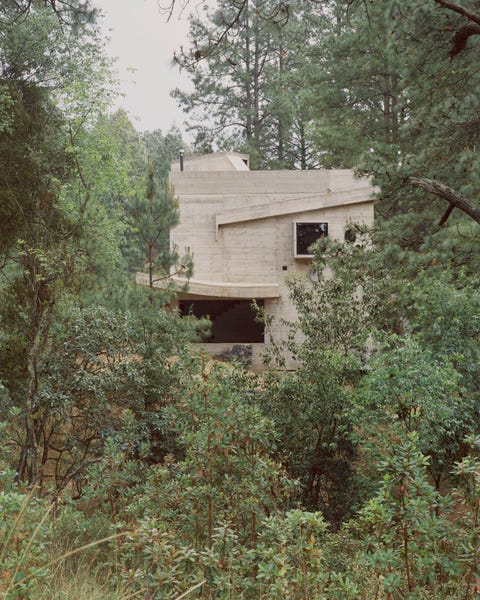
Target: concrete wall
239	224
219	161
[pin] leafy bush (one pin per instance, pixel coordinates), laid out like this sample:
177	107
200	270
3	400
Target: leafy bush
407	538
24	537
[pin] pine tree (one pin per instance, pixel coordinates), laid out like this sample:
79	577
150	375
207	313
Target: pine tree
153	217
247	71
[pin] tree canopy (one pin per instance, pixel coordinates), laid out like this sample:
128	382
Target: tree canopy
354	476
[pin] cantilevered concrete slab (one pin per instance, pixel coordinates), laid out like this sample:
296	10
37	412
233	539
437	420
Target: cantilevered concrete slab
193	288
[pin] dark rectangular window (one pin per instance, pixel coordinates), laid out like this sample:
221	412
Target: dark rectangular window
232	320
306	234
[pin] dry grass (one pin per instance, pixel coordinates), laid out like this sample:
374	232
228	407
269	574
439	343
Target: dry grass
74	573
82	585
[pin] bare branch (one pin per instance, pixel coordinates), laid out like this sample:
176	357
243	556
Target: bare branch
462	36
445	216
459	9
451	196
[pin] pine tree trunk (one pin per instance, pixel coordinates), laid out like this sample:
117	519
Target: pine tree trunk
281	132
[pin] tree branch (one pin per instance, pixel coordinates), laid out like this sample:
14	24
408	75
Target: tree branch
464	33
462	36
451	196
459	9
445	216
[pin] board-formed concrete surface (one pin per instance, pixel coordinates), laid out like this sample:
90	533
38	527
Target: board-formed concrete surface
240	227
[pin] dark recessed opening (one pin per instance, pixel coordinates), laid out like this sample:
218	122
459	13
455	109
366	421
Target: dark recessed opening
306	234
284	268
232	320
350	235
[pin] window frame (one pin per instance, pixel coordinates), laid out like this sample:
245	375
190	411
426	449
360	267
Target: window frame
295	240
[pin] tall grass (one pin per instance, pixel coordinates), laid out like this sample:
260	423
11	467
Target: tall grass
83	581
36	563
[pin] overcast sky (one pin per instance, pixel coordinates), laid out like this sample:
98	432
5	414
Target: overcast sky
142	40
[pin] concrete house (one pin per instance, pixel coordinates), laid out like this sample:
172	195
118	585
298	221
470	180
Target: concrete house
248	231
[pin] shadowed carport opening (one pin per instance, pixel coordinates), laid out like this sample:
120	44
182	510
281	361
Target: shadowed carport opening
232	320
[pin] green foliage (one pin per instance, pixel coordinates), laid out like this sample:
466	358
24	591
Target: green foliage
94	367
315	408
24	539
446	318
51	75
291	563
249	86
206	470
39	540
153	216
422	391
112	161
335	309
68	175
226	474
236	538
163	149
34	166
407	537
468	470
314	417
354	84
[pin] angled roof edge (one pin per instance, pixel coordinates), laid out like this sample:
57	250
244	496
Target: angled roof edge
301	204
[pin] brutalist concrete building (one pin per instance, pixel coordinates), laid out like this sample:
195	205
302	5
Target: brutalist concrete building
248	232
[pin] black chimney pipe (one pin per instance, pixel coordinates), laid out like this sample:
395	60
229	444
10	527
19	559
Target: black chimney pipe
181	159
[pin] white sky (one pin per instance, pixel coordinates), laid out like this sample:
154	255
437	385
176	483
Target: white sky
143	40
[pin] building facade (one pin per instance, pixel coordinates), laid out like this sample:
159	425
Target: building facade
248	232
